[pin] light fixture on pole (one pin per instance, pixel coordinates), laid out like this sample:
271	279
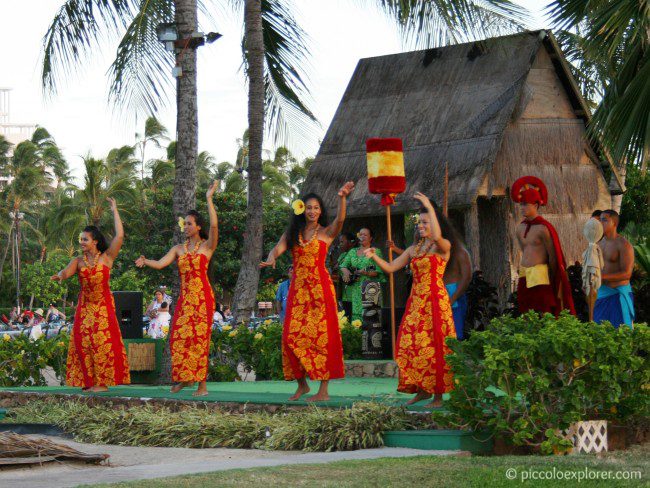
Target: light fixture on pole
167	33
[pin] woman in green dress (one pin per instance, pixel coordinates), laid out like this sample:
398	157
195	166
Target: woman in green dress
357	268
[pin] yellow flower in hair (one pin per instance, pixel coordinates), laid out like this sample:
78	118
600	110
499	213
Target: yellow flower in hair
81	234
298	207
181	223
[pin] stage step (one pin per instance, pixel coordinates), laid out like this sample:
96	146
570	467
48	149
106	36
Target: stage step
371	368
440	440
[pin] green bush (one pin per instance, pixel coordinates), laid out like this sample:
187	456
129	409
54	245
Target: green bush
260	350
526	377
22	360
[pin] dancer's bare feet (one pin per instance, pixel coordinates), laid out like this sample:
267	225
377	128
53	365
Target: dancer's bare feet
202	390
303	389
179	386
318	397
420	395
323	393
436	403
98	389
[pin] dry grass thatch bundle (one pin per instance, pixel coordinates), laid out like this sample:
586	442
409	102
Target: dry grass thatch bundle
20	449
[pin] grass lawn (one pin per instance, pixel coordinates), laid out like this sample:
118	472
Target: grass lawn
480	472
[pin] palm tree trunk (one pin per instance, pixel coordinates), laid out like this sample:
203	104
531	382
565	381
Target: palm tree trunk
248	279
4	255
187	135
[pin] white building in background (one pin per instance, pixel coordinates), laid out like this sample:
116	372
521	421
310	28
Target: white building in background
14	133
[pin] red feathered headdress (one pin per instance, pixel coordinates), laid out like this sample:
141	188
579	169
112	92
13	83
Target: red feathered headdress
529	189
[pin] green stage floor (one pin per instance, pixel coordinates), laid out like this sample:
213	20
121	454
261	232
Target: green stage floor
343	393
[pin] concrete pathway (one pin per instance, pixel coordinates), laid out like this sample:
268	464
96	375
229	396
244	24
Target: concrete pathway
137	463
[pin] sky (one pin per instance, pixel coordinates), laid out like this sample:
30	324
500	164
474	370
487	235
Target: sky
82	122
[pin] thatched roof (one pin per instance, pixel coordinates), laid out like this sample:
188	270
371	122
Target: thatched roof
450	104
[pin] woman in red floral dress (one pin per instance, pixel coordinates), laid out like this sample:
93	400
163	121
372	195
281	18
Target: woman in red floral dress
427	319
189	339
311	338
96	354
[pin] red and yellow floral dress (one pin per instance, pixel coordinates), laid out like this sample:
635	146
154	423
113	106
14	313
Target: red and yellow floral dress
427	322
96	355
192	323
311	339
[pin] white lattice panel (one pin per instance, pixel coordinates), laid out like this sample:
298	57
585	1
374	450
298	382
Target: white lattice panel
588	436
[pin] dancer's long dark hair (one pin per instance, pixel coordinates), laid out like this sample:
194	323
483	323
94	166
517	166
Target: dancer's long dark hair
97	235
297	222
447	229
198	219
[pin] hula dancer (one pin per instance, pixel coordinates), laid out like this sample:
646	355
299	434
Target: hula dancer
96	355
189	340
427	319
311	339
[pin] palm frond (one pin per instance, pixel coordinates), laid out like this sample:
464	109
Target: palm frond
286	60
434	23
140	74
76	31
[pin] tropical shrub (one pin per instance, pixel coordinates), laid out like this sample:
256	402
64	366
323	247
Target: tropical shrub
526	377
22	360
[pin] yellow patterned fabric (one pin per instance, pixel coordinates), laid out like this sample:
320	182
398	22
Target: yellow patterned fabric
96	355
427	322
311	339
535	275
191	329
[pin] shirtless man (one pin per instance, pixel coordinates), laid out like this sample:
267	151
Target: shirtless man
543	283
615	301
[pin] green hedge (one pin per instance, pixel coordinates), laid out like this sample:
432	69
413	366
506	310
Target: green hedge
526	377
22	360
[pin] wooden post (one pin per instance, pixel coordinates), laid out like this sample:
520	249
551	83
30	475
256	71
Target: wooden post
591	301
391	282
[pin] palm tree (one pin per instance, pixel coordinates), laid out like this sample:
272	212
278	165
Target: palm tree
154	133
611	39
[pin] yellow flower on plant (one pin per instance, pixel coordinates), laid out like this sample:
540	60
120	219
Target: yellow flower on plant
232	333
298	207
181	223
258	336
613	409
356	323
267	322
6	337
60	344
341	314
226	328
576	363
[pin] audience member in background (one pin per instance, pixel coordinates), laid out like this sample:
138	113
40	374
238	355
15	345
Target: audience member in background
282	294
218	317
159	325
53	315
14	316
227	314
596	215
158	300
615	302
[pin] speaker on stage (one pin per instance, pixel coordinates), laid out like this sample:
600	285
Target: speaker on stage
128	308
387	345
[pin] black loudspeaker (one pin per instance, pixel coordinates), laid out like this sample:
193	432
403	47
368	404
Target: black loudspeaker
128	308
387	345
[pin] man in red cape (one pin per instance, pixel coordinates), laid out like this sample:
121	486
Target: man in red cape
543	282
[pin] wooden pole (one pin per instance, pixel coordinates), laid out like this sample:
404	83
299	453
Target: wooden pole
391	283
445	200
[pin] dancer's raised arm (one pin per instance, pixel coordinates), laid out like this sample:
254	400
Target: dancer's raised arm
213	233
443	246
393	266
335	227
163	262
116	243
275	253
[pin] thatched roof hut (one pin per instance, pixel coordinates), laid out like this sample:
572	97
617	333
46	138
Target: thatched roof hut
492	110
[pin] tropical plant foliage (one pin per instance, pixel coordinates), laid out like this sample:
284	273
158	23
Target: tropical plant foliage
526	377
